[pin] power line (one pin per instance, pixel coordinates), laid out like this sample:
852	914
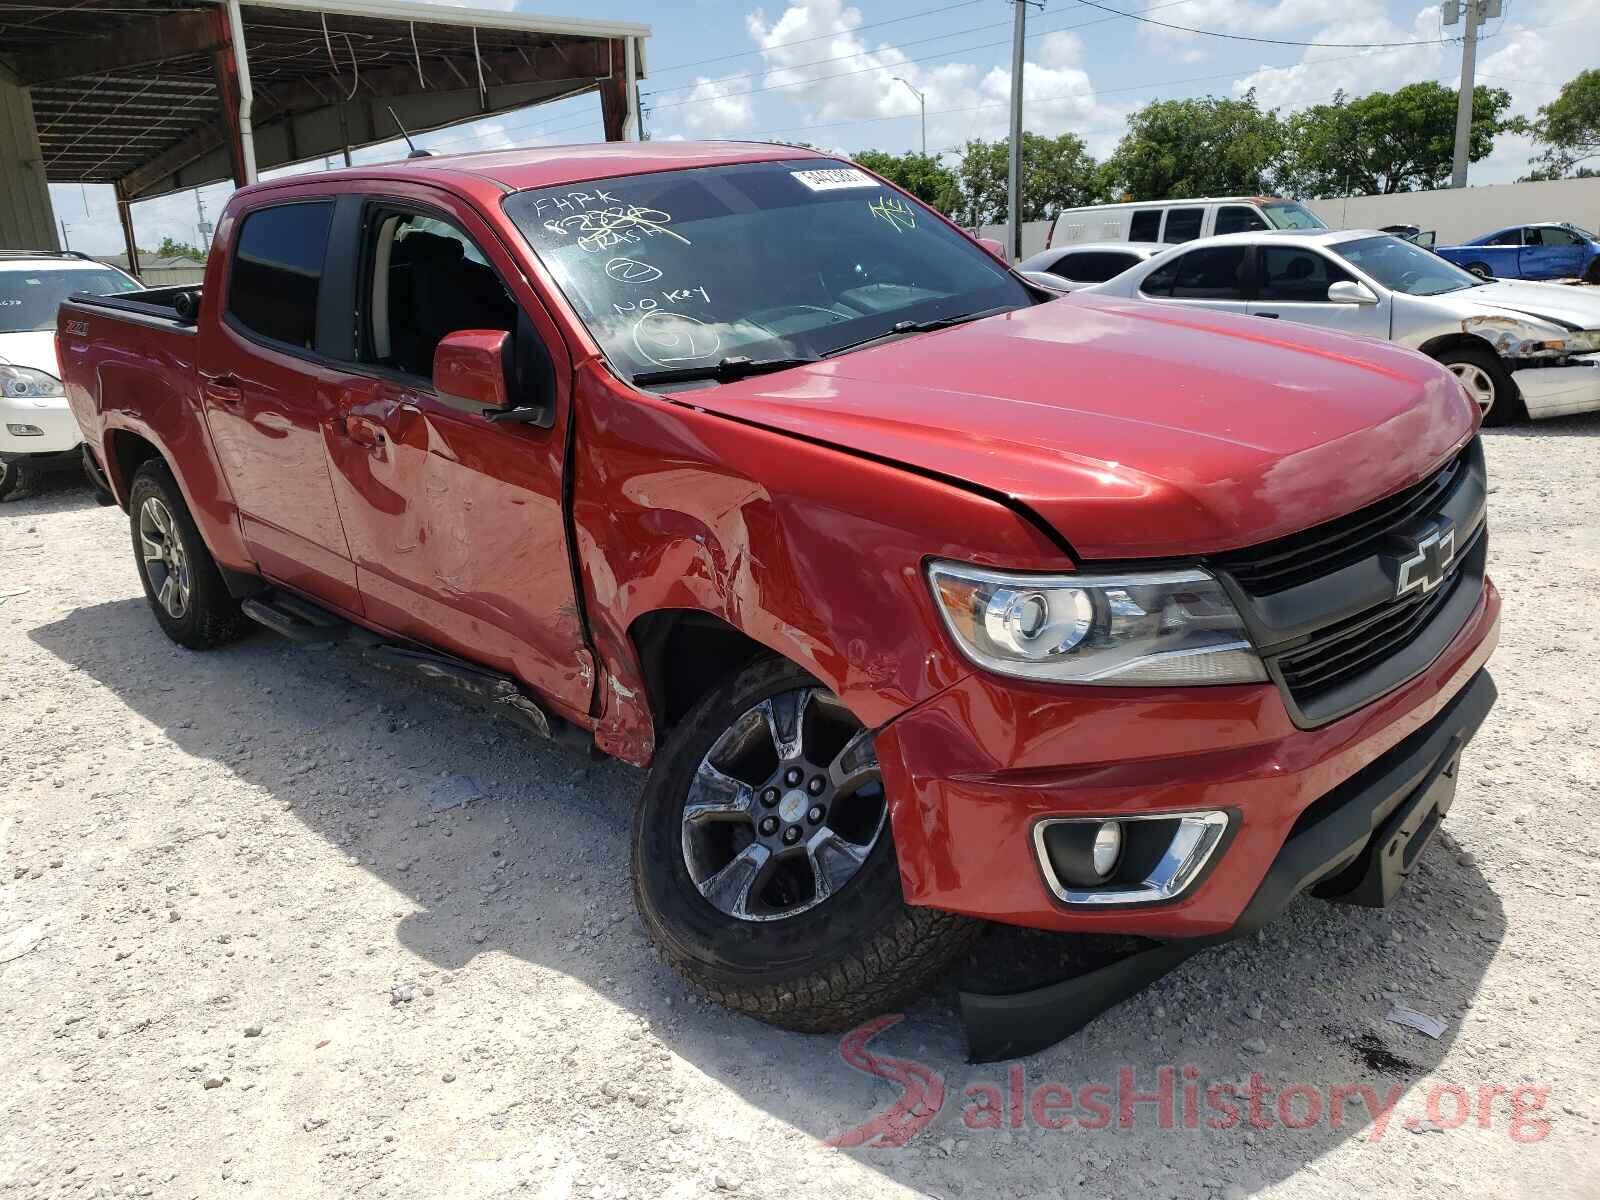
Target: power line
1240	37
821	37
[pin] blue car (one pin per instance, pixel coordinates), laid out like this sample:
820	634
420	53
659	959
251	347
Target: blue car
1550	250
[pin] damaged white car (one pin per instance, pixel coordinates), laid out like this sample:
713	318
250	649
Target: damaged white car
1519	348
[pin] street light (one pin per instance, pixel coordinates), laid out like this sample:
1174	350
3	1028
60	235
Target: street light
923	101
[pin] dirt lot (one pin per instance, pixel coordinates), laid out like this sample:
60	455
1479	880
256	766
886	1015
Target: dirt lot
259	937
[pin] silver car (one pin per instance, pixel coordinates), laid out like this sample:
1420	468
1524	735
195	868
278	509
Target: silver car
1079	264
1518	348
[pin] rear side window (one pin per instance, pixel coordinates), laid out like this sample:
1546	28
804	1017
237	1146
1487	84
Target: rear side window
1183	224
1506	237
1145	226
1215	273
1238	218
1093	266
277	271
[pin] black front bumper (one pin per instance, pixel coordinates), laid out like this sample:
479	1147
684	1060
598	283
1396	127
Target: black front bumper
1354	845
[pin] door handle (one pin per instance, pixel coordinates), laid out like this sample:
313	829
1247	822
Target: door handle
363	431
223	388
1268	316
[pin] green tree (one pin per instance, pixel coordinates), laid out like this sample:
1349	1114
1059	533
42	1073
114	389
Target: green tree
1569	128
1057	173
1175	149
1386	142
170	248
923	175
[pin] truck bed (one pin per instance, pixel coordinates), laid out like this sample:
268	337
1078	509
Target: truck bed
178	305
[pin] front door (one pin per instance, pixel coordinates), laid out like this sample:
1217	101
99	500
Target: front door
1293	286
1551	252
268	395
455	522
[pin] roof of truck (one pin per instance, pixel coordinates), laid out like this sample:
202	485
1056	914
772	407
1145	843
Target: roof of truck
554	166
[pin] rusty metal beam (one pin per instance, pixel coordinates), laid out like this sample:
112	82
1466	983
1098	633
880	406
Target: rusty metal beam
274	101
140	43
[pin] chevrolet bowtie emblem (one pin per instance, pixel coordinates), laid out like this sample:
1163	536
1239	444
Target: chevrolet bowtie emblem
1426	567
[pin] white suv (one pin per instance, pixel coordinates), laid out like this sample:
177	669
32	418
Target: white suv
37	429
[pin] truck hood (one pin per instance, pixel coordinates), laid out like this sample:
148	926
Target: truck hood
36	349
1574	307
1134	430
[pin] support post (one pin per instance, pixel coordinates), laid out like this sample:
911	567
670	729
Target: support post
1014	174
1469	59
125	215
616	105
241	128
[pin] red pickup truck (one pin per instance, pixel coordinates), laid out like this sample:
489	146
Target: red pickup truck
928	599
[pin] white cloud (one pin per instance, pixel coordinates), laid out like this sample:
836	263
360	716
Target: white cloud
717	107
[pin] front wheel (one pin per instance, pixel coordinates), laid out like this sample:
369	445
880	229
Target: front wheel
763	866
1485	379
13	478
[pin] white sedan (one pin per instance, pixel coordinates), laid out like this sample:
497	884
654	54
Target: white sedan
1077	265
37	430
1518	348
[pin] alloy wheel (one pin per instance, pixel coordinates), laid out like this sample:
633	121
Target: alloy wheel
1477	383
165	562
784	808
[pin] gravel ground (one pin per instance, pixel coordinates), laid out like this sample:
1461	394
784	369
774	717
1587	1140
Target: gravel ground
276	923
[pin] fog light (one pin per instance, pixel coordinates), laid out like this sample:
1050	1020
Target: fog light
24	431
1107	848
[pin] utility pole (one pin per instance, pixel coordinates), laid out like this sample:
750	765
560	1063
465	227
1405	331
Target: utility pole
1472	13
923	101
65	245
1014	172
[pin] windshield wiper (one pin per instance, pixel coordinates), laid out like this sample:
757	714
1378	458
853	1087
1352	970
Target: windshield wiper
901	328
733	367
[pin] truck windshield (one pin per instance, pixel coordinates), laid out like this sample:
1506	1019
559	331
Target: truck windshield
773	261
29	299
1286	214
1404	267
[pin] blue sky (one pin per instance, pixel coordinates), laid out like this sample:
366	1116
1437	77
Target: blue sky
823	71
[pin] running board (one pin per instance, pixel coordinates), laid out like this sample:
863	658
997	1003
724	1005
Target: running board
300	620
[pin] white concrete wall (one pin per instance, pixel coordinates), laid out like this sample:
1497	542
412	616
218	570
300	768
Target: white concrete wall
1033	235
26	219
1461	214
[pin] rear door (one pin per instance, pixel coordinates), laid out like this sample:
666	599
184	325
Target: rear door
1182	224
1293	284
269	393
1552	252
1214	277
455	521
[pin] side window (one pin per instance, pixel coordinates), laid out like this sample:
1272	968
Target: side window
1159	282
1092	266
1183	224
428	280
1215	273
1554	235
1237	218
1293	274
277	271
1507	237
1145	226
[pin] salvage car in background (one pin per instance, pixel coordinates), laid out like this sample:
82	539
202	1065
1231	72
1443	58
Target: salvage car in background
1068	268
1551	250
1518	348
37	431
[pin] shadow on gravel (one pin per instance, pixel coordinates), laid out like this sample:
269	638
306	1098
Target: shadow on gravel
536	867
57	492
1581	425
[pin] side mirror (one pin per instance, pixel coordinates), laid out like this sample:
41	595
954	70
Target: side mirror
1350	291
470	365
995	247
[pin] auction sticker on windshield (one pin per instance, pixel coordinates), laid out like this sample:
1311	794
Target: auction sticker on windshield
834	179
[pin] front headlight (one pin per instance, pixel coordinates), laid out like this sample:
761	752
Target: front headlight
1520	337
1138	628
25	383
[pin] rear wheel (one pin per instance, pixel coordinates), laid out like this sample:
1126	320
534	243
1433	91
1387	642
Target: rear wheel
1481	270
1592	275
1485	378
180	578
763	865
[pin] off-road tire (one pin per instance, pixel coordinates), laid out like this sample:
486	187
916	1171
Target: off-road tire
1507	406
860	952
212	617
